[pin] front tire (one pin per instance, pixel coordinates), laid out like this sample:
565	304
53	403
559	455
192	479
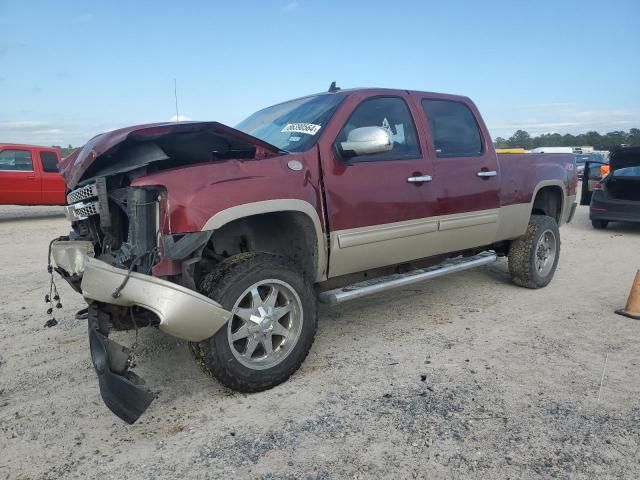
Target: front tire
272	326
533	258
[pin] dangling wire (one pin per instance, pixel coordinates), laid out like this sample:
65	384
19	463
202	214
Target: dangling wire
53	295
153	254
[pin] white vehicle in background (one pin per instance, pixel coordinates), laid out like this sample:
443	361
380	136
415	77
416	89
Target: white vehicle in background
574	150
557	150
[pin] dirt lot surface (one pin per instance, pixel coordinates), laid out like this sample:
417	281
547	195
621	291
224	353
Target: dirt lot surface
467	376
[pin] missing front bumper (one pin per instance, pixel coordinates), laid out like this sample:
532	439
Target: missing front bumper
181	312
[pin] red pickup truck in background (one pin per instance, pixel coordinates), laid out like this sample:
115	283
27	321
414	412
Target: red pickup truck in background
29	175
228	237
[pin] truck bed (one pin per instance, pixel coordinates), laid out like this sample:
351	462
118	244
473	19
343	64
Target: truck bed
521	172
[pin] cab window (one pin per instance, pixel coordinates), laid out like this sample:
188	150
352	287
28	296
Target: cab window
454	129
16	160
392	114
49	161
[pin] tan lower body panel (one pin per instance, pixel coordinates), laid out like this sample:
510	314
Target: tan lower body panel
566	210
512	221
364	248
468	220
381	233
360	249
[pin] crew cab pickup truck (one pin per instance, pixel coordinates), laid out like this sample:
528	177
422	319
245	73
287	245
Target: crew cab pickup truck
29	175
228	237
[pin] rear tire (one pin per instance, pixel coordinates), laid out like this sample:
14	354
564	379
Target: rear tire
599	224
533	258
272	327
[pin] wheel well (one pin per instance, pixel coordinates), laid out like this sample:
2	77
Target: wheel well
548	202
290	234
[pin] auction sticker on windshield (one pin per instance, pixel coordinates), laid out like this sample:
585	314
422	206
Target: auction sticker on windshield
308	128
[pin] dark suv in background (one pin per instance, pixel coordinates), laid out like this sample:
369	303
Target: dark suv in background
616	197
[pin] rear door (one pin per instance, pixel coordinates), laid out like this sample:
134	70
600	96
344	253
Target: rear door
53	185
379	206
19	181
467	175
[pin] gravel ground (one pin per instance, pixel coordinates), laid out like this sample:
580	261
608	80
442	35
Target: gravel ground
466	376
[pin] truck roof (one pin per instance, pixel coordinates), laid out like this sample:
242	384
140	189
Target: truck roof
381	91
396	91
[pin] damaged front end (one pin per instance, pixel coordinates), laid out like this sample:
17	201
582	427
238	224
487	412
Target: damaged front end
131	272
121	297
147	301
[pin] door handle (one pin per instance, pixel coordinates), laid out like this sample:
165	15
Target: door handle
487	173
420	179
31	177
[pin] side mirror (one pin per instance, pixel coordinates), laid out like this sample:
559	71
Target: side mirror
366	141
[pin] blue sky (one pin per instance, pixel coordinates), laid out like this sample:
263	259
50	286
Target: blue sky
71	69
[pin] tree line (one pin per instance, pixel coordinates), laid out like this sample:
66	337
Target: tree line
608	141
65	151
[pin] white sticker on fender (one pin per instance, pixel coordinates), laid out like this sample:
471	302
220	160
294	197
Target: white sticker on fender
308	128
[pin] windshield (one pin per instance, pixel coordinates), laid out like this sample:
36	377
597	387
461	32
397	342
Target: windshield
292	126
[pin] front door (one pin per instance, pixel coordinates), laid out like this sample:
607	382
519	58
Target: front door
467	176
379	206
19	182
53	185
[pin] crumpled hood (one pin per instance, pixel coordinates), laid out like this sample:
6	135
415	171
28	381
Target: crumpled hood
625	157
76	165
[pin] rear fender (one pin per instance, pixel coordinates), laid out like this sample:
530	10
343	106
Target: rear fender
565	200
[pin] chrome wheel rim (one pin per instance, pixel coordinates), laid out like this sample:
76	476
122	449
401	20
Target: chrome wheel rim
265	325
546	249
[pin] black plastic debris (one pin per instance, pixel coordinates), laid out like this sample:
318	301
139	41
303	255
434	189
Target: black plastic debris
52	322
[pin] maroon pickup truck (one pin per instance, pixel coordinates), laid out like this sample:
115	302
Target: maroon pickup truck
228	237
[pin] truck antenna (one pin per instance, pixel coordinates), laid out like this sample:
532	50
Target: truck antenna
175	94
333	88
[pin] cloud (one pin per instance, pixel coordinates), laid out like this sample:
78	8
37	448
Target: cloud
57	133
180	118
290	7
563	118
30	132
20	125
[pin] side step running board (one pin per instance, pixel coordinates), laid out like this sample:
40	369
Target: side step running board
367	287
